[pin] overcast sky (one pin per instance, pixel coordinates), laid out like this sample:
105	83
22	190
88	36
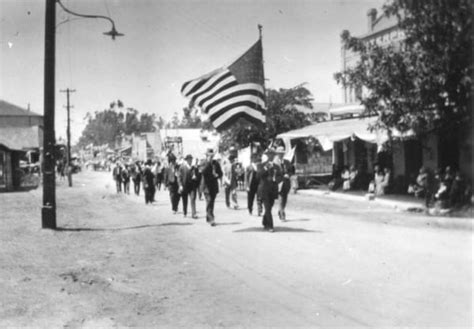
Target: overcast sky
167	43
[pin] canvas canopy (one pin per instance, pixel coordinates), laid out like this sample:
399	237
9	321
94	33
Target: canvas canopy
329	132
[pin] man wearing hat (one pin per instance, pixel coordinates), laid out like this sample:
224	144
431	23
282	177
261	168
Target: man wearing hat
211	173
117	175
251	183
171	182
185	183
230	183
148	182
269	177
287	170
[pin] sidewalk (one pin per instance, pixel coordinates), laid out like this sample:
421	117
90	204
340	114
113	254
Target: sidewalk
463	220
402	202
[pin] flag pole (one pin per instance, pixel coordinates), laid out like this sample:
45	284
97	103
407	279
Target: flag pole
260	28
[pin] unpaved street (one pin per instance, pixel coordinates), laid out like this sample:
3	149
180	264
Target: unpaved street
118	262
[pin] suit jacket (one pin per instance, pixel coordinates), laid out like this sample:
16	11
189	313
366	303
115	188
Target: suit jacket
251	179
211	174
147	178
287	169
171	176
269	176
230	175
117	173
185	177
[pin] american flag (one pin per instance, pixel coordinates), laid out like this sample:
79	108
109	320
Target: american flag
230	93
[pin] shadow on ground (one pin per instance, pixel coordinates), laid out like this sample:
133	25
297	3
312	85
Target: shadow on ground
231	223
278	229
298	220
111	229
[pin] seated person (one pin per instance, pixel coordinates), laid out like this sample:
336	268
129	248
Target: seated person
458	192
379	181
442	195
353	176
345	176
387	181
421	185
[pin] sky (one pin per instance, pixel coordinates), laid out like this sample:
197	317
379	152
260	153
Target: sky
166	43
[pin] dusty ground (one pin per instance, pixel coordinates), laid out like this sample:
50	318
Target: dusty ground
117	262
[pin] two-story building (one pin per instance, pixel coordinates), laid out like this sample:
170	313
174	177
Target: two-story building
408	154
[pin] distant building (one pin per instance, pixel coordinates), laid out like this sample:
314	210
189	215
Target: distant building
320	111
185	141
21	137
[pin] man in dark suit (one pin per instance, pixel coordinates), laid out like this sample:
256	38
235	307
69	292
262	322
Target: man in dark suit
287	169
148	182
117	175
171	181
211	173
270	176
185	181
251	184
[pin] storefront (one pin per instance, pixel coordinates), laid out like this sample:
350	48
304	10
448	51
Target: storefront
18	147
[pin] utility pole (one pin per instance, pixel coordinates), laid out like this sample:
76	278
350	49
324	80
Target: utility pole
48	212
68	156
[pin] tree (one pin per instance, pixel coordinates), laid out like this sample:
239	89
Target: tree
191	118
101	128
105	126
282	115
425	82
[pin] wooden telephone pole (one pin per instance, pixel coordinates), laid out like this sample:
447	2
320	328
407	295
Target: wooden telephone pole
68	157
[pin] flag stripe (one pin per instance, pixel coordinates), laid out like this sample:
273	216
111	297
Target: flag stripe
236	99
212	94
216	80
237	112
188	86
222	85
242	104
239	90
196	86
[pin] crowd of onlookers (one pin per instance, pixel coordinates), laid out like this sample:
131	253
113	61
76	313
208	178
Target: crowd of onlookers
444	189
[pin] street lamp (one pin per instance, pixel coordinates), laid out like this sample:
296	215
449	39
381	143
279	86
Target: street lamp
48	211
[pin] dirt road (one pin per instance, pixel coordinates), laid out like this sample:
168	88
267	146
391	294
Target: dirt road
118	262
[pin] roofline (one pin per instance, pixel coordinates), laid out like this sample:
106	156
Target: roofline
26	112
376	33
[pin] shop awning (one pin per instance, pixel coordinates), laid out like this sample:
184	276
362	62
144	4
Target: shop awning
329	132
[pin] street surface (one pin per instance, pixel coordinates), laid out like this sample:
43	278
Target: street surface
118	262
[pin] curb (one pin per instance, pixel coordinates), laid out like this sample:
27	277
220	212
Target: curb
402	205
399	205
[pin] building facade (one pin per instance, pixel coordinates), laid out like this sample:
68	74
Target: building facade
21	137
407	155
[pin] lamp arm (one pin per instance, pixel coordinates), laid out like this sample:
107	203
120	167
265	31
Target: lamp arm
86	16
